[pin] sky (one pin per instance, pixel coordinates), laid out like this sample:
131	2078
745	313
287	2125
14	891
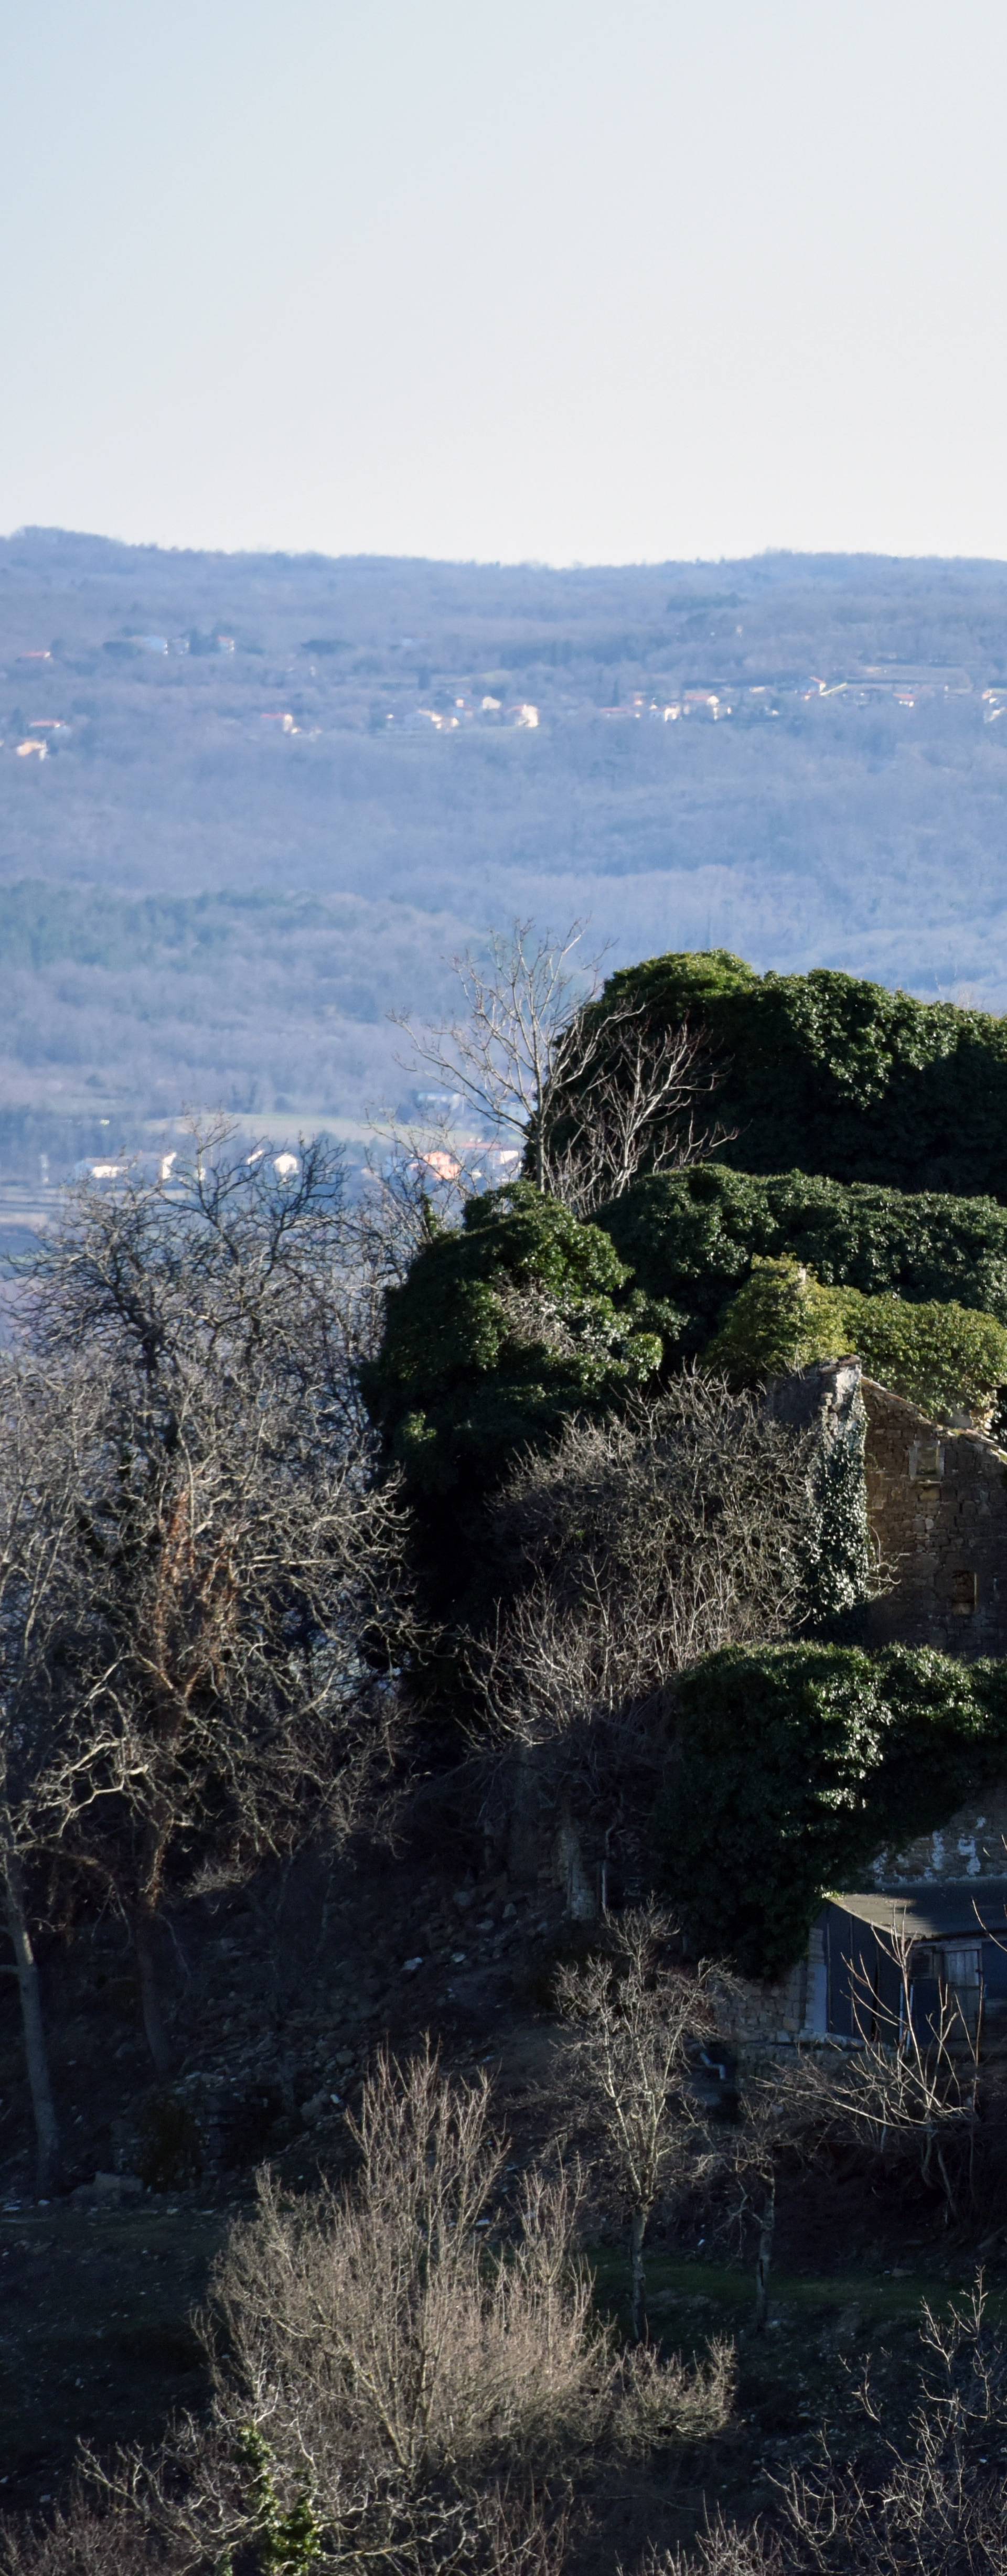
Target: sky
549	281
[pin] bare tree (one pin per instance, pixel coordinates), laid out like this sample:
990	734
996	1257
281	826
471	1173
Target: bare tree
779	2118
589	1097
911	2085
631	1548
637	2025
226	1697
47	1427
638	1102
246	1257
227	1678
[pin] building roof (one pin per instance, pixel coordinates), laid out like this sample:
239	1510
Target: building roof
931	1910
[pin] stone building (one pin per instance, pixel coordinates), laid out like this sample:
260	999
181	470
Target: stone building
937	1512
936	1503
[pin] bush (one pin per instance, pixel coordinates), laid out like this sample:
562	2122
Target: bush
942	1357
794	1765
691	1237
781	1319
827	1073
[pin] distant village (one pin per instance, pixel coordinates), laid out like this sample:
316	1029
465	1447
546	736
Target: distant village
334	692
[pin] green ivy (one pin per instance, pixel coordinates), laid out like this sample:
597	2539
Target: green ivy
942	1357
794	1765
828	1073
691	1238
781	1319
499	1333
285	2543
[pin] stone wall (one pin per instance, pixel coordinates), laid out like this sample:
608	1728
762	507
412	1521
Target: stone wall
784	2009
937	1505
972	1845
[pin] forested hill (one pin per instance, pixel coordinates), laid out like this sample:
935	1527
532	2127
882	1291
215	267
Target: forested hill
275	790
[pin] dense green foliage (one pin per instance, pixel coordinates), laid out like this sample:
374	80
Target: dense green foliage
831	1074
691	1237
780	1319
499	1334
945	1358
795	1765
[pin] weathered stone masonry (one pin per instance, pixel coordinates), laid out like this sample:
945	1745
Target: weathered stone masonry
937	1505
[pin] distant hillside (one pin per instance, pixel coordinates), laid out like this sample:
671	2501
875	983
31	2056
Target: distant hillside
276	789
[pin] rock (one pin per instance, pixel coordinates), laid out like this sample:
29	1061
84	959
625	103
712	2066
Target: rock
107	2191
463	1898
316	2108
409	1967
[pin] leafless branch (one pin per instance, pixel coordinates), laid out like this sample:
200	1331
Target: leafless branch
588	1096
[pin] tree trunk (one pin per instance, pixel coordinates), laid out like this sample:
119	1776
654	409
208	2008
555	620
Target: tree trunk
150	1996
579	1892
638	2299
35	2049
764	2257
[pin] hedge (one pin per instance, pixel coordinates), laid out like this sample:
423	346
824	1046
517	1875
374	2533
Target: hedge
691	1238
944	1358
827	1073
795	1765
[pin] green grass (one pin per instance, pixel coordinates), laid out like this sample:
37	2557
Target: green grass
727	2291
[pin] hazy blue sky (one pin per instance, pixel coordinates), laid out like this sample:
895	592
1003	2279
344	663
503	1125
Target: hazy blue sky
540	279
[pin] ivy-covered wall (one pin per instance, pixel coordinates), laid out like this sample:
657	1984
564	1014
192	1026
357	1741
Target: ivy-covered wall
826	1073
794	1765
948	1359
524	1316
937	1505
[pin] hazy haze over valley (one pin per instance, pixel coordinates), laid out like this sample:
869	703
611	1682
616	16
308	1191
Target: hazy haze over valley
241	851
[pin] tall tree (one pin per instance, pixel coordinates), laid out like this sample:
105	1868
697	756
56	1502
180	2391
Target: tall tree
235	1596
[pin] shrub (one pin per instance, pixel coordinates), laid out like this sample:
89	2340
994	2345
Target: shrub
781	1319
942	1357
828	1073
794	1765
929	2503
